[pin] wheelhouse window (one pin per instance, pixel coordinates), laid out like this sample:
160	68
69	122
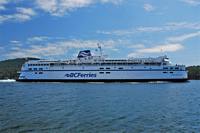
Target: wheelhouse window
40	69
107	72
101	72
35	69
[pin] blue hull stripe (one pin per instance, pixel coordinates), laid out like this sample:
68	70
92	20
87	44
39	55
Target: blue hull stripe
101	80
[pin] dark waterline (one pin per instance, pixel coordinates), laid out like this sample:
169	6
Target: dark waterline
99	107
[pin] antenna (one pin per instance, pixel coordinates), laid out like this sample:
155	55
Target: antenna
99	47
161	50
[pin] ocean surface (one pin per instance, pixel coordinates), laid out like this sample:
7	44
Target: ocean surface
100	107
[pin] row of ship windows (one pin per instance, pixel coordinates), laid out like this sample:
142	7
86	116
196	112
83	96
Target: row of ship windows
38	64
127	63
165	68
101	68
99	72
104	72
171	68
38	72
35	69
108	68
61	64
109	72
40	69
167	72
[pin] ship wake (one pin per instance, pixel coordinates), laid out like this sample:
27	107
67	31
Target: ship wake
7	80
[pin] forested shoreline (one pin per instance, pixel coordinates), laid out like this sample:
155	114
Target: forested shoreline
9	68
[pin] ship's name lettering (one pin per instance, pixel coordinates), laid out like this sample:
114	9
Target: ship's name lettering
80	75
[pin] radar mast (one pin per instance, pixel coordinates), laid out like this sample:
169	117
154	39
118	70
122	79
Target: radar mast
100	49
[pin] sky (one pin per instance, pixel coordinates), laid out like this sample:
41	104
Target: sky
59	29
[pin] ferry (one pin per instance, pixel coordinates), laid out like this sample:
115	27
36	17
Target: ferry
89	68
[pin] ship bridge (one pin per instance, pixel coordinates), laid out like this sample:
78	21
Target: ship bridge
85	57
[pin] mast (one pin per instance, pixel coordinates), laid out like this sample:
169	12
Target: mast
100	50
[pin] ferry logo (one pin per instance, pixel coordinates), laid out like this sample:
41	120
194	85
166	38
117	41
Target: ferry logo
84	53
80	75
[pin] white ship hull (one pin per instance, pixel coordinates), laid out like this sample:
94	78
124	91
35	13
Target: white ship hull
111	75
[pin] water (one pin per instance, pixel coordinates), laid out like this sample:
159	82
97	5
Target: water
99	107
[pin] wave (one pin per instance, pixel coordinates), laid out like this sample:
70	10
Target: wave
7	80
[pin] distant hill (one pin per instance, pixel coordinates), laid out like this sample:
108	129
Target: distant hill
9	68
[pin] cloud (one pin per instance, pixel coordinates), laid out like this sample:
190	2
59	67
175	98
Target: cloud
148	7
172	26
61	7
21	15
183	25
184	37
157	49
2	8
1	48
26	11
14	41
38	39
58	48
53	49
53	7
134	31
137	46
117	32
162	48
2	3
192	2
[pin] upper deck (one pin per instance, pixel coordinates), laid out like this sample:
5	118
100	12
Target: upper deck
102	62
97	60
88	61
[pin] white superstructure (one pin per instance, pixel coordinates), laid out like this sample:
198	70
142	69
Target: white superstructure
96	68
